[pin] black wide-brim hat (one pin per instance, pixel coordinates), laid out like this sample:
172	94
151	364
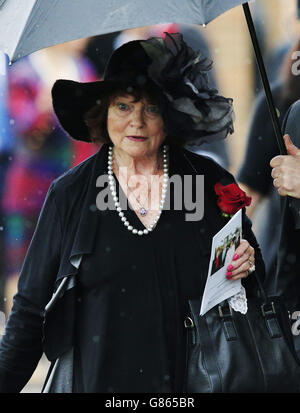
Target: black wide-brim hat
192	111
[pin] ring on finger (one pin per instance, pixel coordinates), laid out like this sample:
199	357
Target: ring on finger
251	268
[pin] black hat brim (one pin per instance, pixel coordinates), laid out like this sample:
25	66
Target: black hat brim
72	100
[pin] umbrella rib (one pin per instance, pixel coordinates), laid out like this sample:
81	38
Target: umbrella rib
22	32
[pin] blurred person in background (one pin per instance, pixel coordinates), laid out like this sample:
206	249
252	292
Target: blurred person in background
42	150
286	181
255	172
272	58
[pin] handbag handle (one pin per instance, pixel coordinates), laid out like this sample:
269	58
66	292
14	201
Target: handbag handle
261	289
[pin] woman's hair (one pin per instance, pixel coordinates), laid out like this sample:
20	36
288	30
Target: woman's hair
96	117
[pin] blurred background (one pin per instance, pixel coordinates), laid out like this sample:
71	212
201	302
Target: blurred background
34	150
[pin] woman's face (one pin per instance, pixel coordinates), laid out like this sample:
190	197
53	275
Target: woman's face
136	128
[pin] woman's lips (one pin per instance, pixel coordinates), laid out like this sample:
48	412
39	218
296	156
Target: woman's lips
136	138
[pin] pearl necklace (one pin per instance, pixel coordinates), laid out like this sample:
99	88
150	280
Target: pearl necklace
112	186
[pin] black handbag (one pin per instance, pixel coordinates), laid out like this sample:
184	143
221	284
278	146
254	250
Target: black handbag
228	352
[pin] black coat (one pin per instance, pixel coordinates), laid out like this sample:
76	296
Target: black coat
66	229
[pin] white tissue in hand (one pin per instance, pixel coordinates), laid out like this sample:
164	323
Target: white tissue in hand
238	302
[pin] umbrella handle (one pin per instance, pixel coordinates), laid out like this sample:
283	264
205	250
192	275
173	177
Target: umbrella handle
265	80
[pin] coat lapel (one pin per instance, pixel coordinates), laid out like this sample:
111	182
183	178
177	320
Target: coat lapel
82	240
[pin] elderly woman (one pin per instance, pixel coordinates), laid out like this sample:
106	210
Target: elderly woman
122	272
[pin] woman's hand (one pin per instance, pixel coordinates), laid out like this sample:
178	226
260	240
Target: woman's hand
243	262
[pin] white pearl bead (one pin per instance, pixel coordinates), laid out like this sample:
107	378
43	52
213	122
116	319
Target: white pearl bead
130	227
123	219
113	193
145	231
134	231
121	214
140	232
119	209
126	223
115	198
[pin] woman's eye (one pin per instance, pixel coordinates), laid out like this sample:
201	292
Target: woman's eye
123	106
153	109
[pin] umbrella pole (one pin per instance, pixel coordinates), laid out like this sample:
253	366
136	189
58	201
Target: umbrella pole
264	79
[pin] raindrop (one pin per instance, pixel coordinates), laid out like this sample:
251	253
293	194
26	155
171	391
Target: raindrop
1	228
107	248
93	207
98	102
141	371
129	89
123	290
96	339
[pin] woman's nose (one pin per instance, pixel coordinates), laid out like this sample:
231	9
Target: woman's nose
137	118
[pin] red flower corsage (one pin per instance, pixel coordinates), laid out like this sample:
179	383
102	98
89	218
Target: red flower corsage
231	198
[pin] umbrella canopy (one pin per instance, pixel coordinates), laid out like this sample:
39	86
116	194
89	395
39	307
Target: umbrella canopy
31	25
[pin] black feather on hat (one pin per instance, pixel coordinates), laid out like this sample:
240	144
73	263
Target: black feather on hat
192	111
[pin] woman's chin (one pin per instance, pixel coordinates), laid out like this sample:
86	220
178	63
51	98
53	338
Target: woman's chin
136	148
